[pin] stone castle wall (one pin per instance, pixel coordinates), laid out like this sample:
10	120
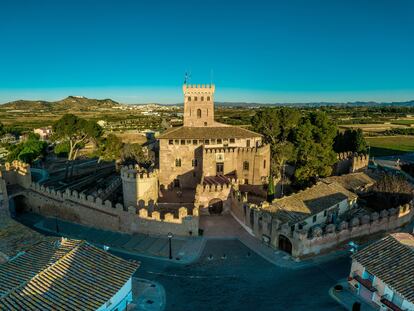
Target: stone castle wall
350	162
257	158
91	211
206	193
16	173
306	243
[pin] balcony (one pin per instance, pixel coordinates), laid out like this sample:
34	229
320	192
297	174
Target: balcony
366	283
390	304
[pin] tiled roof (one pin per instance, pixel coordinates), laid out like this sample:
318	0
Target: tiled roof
391	259
208	132
353	181
14	237
62	274
308	202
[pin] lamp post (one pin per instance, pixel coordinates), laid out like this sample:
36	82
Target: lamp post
170	236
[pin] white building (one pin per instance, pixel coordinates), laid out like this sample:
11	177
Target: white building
44	132
383	272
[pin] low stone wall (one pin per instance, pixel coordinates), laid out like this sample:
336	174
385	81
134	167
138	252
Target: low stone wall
91	211
268	228
318	240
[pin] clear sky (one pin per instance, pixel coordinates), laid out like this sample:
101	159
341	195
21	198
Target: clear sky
261	51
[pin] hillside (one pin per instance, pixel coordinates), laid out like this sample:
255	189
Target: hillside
70	103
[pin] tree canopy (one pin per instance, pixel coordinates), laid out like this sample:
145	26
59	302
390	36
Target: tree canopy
350	140
305	140
77	132
27	151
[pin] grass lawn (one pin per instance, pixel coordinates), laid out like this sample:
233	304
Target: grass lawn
390	145
403	122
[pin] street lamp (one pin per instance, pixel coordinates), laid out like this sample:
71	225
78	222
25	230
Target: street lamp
170	236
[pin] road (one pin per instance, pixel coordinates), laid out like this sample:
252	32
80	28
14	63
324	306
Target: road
242	281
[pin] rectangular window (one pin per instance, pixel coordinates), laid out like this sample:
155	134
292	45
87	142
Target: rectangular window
195	98
219	141
325	212
188	141
182	141
219	168
314	218
195	141
177	142
207	142
194	163
171	142
202	98
246	181
264	163
178	162
248	143
246	165
232	140
189	98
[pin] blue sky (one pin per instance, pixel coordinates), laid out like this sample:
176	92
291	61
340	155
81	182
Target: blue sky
261	51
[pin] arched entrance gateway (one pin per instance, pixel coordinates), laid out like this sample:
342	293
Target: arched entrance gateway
285	244
215	207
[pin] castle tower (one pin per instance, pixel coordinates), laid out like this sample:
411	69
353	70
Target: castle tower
139	187
198	105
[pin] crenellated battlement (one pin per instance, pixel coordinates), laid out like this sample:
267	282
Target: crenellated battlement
351	162
198	88
183	213
15	166
239	150
136	172
16	173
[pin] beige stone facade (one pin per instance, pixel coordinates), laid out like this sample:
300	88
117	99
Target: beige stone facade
203	147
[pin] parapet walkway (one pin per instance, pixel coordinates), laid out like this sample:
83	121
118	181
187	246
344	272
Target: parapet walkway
184	250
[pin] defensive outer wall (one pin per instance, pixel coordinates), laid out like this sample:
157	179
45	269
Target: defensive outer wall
91	211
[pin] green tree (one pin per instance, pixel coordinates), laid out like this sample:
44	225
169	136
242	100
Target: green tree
313	140
277	126
77	132
62	149
350	140
27	151
111	148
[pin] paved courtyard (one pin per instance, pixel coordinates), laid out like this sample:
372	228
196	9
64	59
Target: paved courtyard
227	275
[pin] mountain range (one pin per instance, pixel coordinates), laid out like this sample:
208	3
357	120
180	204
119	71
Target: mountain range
83	103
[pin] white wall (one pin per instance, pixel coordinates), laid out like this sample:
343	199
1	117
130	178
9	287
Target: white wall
120	299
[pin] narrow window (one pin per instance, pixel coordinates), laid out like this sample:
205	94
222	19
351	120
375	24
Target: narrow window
198	113
208	98
205	123
248	143
176	141
195	98
182	141
188	141
246	165
314	218
195	142
202	98
219	141
232	140
194	163
264	163
178	162
325	212
189	98
207	142
171	142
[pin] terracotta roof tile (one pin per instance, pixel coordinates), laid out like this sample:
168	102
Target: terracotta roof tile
391	259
